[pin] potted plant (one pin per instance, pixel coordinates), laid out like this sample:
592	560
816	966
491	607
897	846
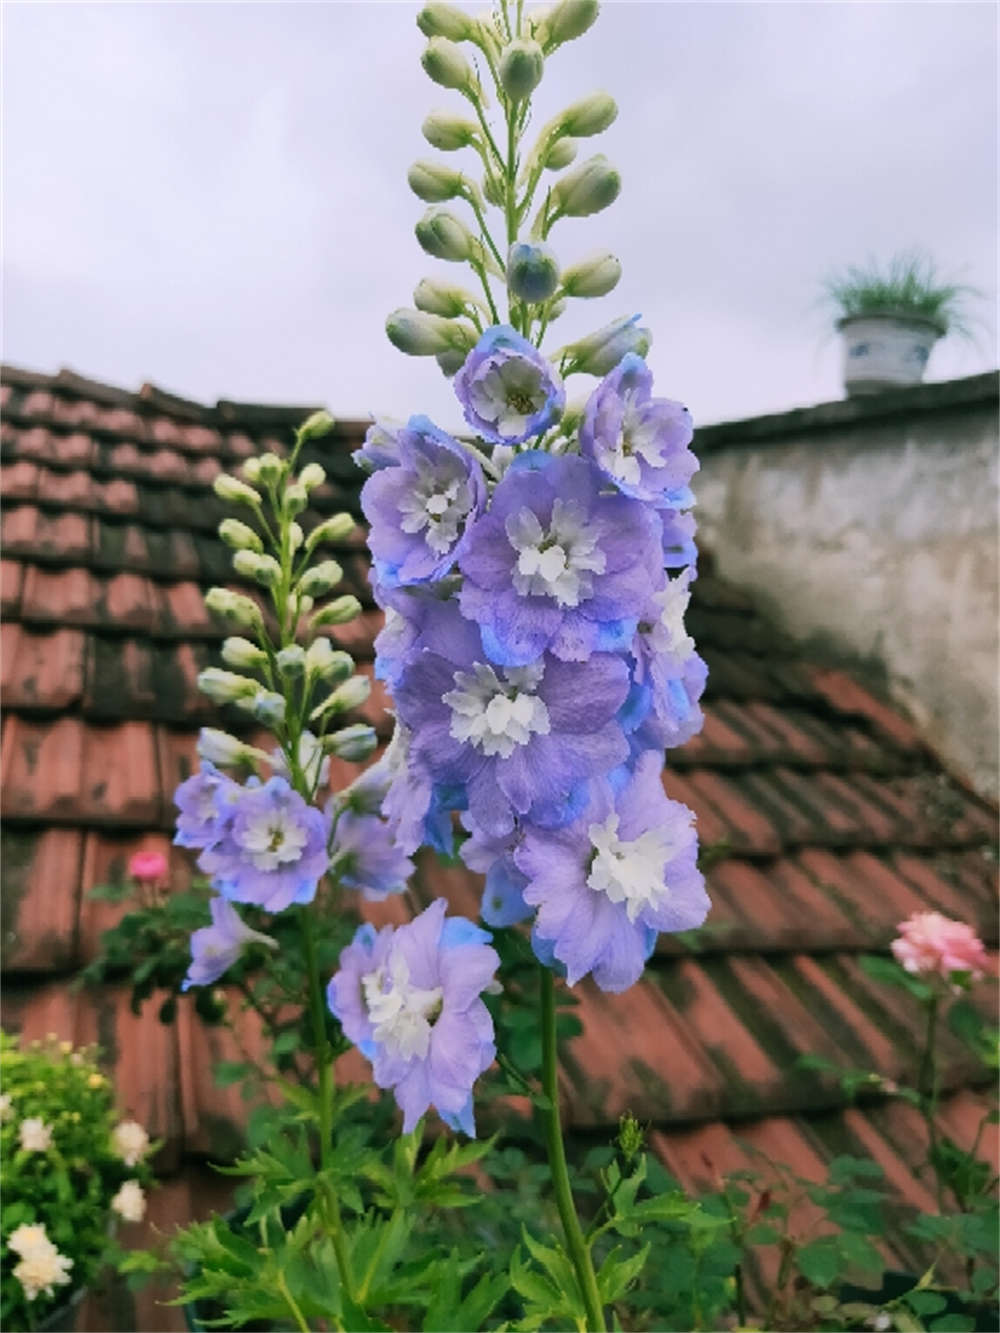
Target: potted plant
890	319
71	1167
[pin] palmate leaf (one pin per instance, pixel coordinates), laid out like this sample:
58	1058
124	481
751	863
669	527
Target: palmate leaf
617	1272
448	1311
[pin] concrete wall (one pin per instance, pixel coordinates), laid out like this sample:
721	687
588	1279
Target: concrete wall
869	527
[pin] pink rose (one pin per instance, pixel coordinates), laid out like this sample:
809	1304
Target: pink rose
148	867
931	944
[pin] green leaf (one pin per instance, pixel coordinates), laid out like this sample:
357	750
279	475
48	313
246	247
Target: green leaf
228	1072
953	1323
820	1262
616	1273
889	972
904	1321
925	1302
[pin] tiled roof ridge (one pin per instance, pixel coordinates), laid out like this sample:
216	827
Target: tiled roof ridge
150	398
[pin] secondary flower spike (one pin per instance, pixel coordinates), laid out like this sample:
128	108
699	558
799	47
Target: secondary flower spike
410	1000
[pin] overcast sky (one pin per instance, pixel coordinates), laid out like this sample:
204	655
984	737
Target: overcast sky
213	196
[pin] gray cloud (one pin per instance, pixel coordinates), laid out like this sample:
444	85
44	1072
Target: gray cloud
213	196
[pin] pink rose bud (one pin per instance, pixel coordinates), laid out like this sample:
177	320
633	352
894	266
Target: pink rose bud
148	867
930	944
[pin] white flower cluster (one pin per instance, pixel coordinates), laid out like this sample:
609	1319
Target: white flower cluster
130	1202
130	1142
42	1267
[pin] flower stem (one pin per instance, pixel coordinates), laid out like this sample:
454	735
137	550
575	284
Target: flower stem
927	1088
577	1246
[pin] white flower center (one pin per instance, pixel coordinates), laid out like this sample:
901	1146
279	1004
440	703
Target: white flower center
437	505
667	634
638	440
509	394
497	715
401	1014
633	873
272	838
557	563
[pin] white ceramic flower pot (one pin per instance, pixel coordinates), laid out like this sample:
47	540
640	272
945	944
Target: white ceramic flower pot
885	351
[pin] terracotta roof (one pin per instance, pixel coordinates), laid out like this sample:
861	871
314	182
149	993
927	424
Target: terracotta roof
824	818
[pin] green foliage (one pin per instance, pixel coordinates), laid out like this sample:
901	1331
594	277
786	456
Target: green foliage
907	285
68	1187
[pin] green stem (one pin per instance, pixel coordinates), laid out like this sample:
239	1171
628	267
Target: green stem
291	1302
927	1088
577	1246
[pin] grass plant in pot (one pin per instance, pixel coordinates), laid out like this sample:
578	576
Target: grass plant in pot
890	318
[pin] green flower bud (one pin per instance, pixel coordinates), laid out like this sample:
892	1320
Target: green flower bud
224	687
532	272
521	68
291	660
316	426
333	530
320	579
440	20
323	660
445	64
560	155
251	470
565	21
419	334
239	535
631	1138
234	491
295	498
311	476
263	569
295	537
352	694
271	468
586	189
340	611
225	751
352	743
451	362
434	183
445	236
444	298
447	132
600	352
596	275
266	706
591	115
243	654
556	309
234	606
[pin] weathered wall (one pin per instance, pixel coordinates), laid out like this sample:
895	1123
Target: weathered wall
870	527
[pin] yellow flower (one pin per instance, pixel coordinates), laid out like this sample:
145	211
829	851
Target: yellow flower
95	1081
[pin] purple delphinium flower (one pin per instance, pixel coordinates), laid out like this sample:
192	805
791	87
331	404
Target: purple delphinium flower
381	446
503	901
204	801
511	736
413	617
410	999
413	809
638	441
215	948
366	856
666	668
679	550
420	510
273	852
607	883
507	389
557	565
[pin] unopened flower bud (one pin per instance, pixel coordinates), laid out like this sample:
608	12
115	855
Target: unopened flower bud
532	272
521	67
291	660
434	183
240	536
556	309
445	236
271	468
352	694
295	498
225	751
596	275
311	476
338	612
243	654
591	115
332	664
418	333
352	743
316	426
267	707
565	21
586	189
451	363
334	529
443	298
560	155
234	606
445	64
320	579
224	686
263	569
440	20
448	132
295	537
601	351
235	491
251	470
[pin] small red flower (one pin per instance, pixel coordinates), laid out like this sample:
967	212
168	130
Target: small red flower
148	867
